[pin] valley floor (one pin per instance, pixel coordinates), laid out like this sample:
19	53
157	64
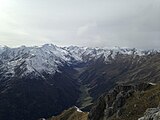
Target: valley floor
85	100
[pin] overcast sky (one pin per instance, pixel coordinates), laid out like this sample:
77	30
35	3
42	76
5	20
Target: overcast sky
94	23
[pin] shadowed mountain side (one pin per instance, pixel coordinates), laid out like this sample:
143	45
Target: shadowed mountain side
49	96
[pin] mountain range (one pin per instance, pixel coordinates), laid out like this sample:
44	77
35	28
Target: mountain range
42	81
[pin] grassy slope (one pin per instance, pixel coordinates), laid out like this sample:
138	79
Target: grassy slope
71	114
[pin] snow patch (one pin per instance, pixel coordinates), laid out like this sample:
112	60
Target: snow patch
78	110
152	83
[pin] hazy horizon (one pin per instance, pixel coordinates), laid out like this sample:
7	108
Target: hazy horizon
96	23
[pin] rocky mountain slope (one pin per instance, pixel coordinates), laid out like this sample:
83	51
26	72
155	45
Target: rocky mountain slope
49	79
126	102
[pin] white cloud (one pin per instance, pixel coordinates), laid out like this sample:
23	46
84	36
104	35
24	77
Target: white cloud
82	22
85	29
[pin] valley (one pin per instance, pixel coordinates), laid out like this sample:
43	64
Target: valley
84	100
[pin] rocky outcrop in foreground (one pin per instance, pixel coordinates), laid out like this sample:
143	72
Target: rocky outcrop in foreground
151	114
111	104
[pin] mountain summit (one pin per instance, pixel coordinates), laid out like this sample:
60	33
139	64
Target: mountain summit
49	57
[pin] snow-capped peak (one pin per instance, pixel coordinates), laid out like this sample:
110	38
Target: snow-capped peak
48	58
45	58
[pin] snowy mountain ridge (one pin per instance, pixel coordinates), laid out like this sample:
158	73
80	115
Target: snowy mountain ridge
48	57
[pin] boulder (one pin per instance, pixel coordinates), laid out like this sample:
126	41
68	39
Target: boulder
151	114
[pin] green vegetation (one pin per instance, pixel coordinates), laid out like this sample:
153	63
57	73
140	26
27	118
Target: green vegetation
85	99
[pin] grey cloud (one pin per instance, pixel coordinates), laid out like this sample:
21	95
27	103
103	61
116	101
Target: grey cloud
95	23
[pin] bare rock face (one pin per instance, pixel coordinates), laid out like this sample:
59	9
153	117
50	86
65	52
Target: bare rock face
151	114
111	103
